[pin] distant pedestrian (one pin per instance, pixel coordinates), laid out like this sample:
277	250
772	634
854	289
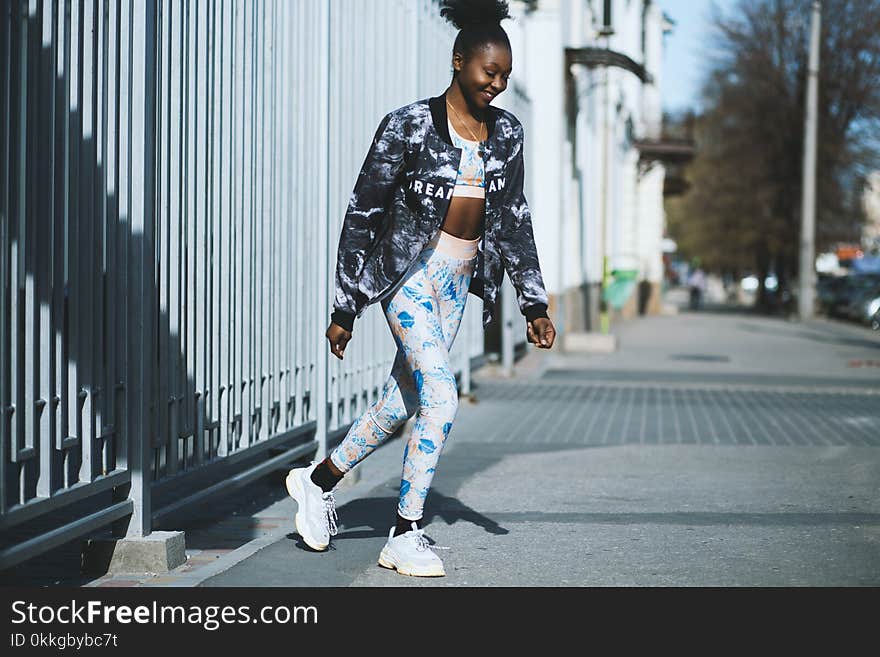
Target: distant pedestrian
442	178
644	295
697	285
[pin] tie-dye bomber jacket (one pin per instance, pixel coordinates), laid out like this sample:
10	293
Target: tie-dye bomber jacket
400	200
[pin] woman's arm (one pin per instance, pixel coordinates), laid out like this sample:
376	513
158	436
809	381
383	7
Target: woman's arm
366	206
517	241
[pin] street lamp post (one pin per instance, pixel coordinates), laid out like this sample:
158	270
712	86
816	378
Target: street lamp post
604	323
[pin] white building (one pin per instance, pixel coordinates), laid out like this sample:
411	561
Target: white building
593	140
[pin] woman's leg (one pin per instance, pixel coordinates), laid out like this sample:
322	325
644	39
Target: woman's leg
398	402
425	317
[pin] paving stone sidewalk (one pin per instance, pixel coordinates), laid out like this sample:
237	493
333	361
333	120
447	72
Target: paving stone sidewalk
710	449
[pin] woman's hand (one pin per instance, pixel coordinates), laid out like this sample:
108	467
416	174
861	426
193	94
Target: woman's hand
338	338
540	332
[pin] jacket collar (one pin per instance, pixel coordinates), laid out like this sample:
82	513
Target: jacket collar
439	116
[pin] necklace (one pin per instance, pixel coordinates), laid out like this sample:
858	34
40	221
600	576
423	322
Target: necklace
476	138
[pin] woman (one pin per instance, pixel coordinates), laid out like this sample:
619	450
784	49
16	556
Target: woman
436	211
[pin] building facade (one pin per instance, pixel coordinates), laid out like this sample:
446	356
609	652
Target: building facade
592	72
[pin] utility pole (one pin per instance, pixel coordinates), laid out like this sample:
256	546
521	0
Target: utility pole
606	32
603	305
807	291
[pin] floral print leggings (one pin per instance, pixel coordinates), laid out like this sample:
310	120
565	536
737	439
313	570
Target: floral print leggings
424	313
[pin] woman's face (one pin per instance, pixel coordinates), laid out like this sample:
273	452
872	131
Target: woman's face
485	74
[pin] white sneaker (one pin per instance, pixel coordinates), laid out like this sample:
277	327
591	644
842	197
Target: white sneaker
411	554
316	510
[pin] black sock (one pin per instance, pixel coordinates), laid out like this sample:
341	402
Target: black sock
404	525
323	477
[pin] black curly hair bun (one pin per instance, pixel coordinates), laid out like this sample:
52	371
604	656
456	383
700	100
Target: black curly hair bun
464	13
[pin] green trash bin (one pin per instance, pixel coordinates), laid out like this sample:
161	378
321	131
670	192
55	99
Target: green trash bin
623	284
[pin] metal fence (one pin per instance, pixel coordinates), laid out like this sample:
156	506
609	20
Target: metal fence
174	176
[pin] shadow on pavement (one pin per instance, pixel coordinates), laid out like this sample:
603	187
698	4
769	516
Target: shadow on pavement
369	517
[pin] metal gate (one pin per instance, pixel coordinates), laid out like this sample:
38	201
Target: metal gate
174	176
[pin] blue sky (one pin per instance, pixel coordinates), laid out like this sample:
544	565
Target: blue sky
685	48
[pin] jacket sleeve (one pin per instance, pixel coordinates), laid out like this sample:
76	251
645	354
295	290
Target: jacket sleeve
366	207
517	241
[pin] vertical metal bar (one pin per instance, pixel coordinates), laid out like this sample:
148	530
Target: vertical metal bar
267	74
260	220
181	282
44	255
243	259
211	395
293	317
115	342
233	303
338	48
85	250
6	29
269	237
62	218
256	223
17	219
99	263
106	314
247	217
158	314
187	371
348	374
225	223
268	318
304	355
165	153
73	284
284	287
272	301
29	235
285	221
182	279
289	210
250	367
322	310
170	249
234	393
238	301
200	307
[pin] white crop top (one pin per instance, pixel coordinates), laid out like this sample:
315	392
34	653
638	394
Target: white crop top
471	180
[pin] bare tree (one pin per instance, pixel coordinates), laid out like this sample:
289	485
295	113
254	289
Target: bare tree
743	210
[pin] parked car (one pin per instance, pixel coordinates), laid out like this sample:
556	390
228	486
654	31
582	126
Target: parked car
848	289
875	321
858	308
